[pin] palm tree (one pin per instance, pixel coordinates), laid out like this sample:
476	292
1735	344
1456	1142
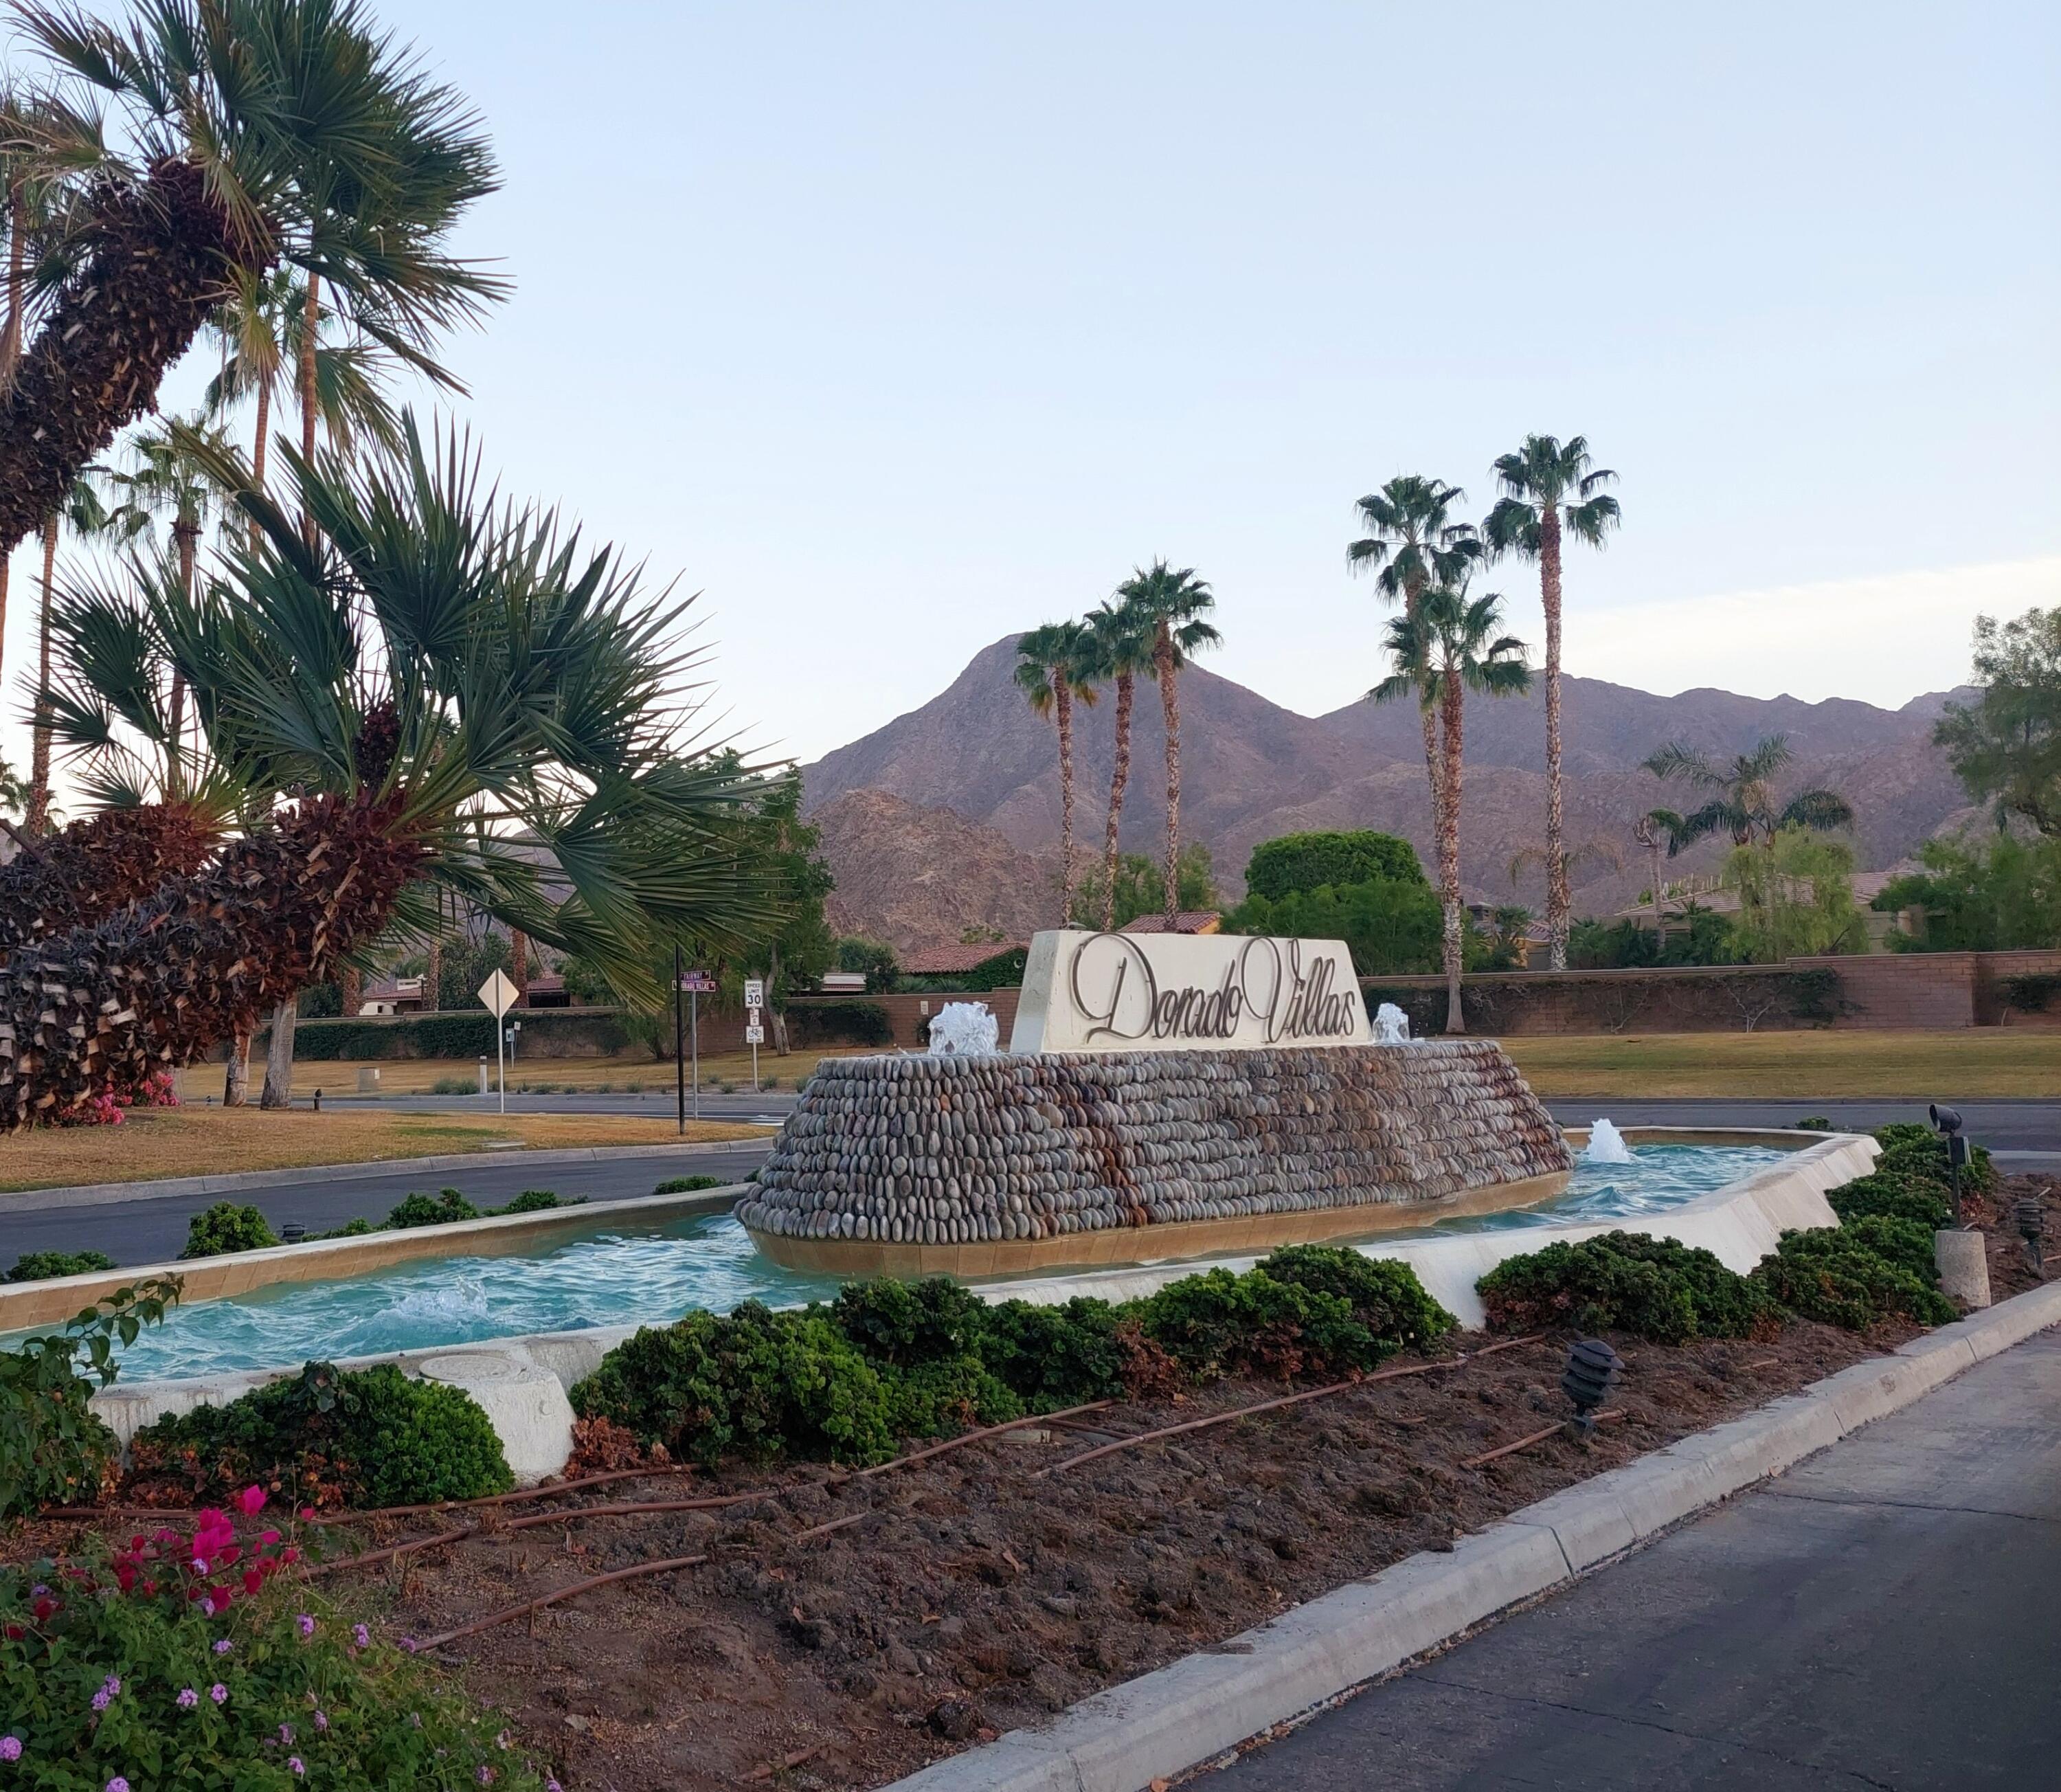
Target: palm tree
1053	665
435	706
1742	803
1119	646
1551	490
83	512
1649	831
253	131
1450	646
1412	543
1171	605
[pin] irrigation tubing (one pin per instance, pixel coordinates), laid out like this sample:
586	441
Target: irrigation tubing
1535	1437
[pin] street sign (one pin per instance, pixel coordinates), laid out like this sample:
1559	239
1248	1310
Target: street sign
755	993
498	993
754	1035
697	982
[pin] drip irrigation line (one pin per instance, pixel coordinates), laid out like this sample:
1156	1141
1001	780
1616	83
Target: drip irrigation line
1285	1400
1536	1437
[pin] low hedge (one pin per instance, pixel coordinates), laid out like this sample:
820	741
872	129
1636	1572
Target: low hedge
889	1359
330	1437
1912	1150
226	1228
41	1265
1626	1281
1917	1199
468	1033
853	1023
1858	1275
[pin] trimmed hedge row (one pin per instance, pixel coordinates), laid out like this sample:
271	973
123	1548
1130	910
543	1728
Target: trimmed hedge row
225	1228
466	1033
890	1360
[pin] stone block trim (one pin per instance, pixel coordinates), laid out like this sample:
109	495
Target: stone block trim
963	1150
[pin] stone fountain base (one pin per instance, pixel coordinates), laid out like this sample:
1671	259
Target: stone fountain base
986	1166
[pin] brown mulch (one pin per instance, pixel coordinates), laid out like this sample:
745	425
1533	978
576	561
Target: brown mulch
2010	1270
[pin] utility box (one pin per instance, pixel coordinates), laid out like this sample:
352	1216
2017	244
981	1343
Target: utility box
368	1079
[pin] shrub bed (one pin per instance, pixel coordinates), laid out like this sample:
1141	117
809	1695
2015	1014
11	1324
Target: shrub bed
1858	1275
225	1228
1626	1281
1917	1199
852	1023
889	1360
547	1033
330	1437
42	1266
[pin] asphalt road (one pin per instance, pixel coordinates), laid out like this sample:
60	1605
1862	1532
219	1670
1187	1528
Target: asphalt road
1885	1619
154	1230
1999	1125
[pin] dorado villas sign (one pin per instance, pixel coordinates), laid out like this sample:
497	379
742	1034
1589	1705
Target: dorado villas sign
1185	992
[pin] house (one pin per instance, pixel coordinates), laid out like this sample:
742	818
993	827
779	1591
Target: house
1188	920
393	996
959	960
842	983
547	990
1678	898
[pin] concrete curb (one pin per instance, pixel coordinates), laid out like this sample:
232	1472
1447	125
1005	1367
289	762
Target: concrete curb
101	1194
1162	1724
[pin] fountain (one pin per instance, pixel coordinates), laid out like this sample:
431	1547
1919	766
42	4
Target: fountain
1606	1145
1391	1025
965	1029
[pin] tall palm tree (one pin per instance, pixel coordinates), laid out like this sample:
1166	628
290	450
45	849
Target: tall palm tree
1451	646
440	675
85	514
1120	647
250	132
1550	491
1412	542
1054	663
1742	802
1172	605
1653	830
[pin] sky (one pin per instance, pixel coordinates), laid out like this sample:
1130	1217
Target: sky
891	329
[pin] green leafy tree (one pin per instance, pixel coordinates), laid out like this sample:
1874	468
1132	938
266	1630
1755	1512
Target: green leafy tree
1140	889
2006	746
1742	802
84	513
1550	491
1054	670
1304	862
792	955
2001	896
1450	647
874	959
1796	898
1392	926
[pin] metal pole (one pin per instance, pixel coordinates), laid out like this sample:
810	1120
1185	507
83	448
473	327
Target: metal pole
694	1034
501	1059
679	1055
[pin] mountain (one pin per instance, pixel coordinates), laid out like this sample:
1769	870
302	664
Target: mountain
976	758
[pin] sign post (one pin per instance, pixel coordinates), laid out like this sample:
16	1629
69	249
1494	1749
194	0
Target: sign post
499	995
754	999
679	1047
697	984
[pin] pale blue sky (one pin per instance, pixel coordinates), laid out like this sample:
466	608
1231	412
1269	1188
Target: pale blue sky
894	328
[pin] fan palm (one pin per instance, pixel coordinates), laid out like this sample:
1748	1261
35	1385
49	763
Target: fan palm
1413	542
85	514
1118	649
1171	604
1550	491
252	132
1742	802
465	698
1053	664
1449	647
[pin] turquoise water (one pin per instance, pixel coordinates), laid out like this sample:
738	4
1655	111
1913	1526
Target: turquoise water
627	1276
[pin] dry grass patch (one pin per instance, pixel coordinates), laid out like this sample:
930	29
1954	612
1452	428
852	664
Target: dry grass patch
626	1073
190	1142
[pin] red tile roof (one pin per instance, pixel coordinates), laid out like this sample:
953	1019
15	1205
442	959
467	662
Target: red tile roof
948	961
1188	920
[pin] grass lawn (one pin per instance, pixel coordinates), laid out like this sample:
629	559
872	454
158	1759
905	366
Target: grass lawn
1998	1062
186	1141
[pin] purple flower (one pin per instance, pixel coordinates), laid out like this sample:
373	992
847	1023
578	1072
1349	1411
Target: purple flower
188	1698
112	1685
485	1777
286	1732
101	1699
298	1766
118	1784
224	1647
321	1721
307	1623
551	1784
363	1636
218	1693
11	1748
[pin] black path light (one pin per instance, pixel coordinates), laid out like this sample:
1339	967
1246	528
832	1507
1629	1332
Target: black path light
1592	1371
2030	1211
1947	1120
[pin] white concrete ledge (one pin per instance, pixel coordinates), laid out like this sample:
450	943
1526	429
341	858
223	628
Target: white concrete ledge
1162	1724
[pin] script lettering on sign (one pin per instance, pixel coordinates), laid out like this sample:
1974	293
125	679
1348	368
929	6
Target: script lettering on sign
1124	992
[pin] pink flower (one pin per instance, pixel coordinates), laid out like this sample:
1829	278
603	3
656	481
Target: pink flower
188	1698
252	1500
223	1646
294	1762
307	1623
118	1784
321	1721
218	1693
286	1732
11	1748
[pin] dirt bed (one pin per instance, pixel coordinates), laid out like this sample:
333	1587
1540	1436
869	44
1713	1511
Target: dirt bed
972	1599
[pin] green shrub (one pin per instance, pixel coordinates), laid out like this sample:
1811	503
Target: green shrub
686	1184
361	1437
1925	1155
465	1033
122	1669
1221	1324
903	1323
54	1448
537	1201
1917	1199
1055	1357
1813	1123
34	1266
751	1383
852	1023
1624	1281
1298	863
944	1395
358	1228
1385	1297
225	1228
1841	1275
441	1209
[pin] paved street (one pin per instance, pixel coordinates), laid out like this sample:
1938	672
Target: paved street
151	1230
1999	1125
1885	1619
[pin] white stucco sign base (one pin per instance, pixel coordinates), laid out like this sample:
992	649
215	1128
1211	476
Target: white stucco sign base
1185	992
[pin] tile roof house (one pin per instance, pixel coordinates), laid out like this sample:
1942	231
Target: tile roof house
957	961
1187	920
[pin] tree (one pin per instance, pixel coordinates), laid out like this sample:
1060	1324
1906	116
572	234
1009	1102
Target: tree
1118	647
792	953
874	959
1055	668
1449	648
248	133
1742	803
1172	605
2003	895
1412	543
83	512
1390	925
2006	746
1140	889
1303	862
1796	898
1550	490
499	716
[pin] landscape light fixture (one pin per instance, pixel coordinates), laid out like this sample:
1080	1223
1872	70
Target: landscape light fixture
1591	1372
1947	1122
2030	1211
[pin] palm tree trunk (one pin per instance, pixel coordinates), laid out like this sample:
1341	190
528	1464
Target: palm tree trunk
1120	777
1170	703
96	866
310	400
1557	899
37	817
1659	913
351	987
1063	697
236	1078
259	443
432	969
518	965
1451	700
186	535
278	1089
1434	755
17	244
6	561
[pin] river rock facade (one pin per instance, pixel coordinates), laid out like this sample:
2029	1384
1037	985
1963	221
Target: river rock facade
943	1152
